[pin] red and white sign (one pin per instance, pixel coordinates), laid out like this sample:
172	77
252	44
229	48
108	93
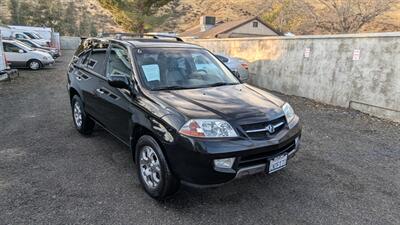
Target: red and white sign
356	54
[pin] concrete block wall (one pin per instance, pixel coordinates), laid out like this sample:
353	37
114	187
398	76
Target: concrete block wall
69	43
357	71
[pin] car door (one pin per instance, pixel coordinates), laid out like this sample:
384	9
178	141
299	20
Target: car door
115	103
13	55
88	76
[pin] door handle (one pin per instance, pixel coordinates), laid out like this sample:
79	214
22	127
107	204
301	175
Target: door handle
79	78
99	90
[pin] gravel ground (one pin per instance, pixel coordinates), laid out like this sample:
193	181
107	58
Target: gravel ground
347	171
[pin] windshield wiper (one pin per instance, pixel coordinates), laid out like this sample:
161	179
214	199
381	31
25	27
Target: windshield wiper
220	84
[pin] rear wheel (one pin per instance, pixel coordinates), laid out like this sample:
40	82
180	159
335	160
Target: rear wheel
34	64
82	122
153	171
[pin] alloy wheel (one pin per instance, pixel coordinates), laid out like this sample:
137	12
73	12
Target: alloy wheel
150	169
77	114
34	65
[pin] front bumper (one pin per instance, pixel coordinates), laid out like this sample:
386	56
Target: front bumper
191	160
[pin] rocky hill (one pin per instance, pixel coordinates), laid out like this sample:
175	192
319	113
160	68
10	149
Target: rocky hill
184	14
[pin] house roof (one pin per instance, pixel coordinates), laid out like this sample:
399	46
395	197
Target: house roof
222	28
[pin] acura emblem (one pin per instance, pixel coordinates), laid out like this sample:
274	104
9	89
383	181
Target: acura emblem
270	129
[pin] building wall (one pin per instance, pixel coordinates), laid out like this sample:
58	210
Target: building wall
248	29
327	69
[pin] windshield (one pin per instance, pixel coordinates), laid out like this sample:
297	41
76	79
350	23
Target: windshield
175	68
23	46
26	42
32	35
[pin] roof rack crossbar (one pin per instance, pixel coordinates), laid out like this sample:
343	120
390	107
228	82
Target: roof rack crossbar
119	35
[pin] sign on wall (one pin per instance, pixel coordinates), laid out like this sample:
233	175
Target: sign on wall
307	52
356	54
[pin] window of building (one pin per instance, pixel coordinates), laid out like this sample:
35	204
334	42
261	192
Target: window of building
255	24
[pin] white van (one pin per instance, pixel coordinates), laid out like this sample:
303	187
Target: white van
44	32
20	55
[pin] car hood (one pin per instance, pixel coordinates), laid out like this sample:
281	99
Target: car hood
240	102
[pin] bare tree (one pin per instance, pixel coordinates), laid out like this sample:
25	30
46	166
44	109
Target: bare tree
346	16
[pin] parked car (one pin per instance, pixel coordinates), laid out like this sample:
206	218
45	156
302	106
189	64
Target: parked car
54	52
184	115
237	65
21	35
20	55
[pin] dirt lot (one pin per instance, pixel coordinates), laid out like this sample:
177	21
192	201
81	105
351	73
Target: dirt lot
347	172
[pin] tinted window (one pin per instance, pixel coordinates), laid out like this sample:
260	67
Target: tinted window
19	36
10	47
96	61
118	62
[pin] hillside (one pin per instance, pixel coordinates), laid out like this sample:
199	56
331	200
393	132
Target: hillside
183	14
101	18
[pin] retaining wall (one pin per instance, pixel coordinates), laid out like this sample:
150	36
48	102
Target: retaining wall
357	71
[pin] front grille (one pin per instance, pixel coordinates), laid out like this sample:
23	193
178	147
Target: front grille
260	158
259	131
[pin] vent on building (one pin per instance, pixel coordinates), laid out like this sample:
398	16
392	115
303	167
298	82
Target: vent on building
207	22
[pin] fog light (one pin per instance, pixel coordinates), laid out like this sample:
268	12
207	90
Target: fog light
224	163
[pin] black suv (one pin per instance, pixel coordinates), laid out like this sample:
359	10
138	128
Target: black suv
186	117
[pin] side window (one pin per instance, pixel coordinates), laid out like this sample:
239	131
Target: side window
19	36
118	62
8	47
96	61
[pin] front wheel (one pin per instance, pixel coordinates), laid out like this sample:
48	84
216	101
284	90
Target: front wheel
34	64
153	171
82	122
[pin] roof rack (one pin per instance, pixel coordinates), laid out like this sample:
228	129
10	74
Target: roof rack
120	35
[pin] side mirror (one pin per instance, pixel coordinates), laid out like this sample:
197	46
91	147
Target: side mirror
242	76
236	73
119	81
21	51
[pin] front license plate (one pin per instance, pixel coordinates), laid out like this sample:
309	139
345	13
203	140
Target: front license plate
277	163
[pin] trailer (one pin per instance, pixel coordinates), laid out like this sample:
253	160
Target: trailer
44	32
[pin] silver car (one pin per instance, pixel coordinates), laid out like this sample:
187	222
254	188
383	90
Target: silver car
20	55
236	65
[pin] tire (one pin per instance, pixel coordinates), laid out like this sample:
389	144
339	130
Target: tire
34	64
167	183
82	122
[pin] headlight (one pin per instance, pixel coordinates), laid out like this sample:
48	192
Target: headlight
211	128
44	58
289	112
224	163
